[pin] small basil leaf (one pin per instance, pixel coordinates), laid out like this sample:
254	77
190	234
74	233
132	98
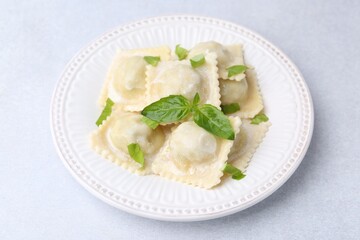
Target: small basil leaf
181	52
214	121
197	61
230	108
235	173
152	60
106	112
151	123
259	118
136	153
196	99
236	69
168	109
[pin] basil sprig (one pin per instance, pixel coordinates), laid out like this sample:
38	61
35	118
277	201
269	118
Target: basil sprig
106	112
235	173
153	60
197	61
168	109
175	108
259	118
181	52
236	69
135	153
214	121
151	123
196	100
230	108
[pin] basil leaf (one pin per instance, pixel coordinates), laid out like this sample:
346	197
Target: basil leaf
136	153
236	69
168	109
197	61
181	52
152	60
151	123
196	99
259	118
235	173
230	108
106	112
214	121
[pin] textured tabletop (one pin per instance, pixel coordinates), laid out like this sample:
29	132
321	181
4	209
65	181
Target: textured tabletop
40	200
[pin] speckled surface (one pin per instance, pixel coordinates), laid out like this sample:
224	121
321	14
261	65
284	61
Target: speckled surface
40	200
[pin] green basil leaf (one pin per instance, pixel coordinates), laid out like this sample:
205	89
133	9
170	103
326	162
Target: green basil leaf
236	69
136	153
196	99
151	123
106	112
181	52
168	109
261	117
214	121
197	61
230	108
235	173
152	60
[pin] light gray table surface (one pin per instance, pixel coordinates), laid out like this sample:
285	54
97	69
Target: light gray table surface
40	200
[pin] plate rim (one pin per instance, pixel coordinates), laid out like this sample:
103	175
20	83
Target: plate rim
97	43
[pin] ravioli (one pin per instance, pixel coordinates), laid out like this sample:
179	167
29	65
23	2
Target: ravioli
181	151
245	92
233	91
125	83
179	78
246	142
194	156
121	129
227	56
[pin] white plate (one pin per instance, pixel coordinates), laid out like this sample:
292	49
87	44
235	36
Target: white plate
287	103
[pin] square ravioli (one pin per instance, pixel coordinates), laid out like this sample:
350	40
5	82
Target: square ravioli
125	82
227	56
120	129
246	143
245	92
194	156
167	139
180	78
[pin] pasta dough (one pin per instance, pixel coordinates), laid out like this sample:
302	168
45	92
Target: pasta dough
194	156
125	82
227	56
120	130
